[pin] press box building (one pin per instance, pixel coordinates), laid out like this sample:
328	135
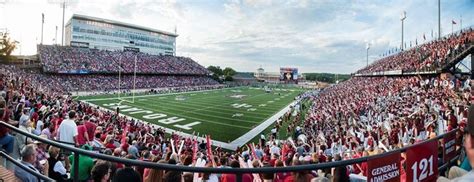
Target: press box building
97	33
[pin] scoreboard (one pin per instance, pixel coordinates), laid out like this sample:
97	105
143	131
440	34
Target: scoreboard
288	74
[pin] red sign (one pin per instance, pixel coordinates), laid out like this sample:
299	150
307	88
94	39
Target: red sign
422	162
386	168
449	146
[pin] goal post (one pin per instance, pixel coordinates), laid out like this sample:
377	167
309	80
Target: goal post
131	96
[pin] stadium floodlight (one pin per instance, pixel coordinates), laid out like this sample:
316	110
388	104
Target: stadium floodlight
367	47
403	16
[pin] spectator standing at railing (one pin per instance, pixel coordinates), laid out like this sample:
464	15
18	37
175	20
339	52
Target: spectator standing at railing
68	130
85	165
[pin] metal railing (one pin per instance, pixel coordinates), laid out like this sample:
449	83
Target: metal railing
237	171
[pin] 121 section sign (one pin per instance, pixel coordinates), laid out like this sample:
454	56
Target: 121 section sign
422	162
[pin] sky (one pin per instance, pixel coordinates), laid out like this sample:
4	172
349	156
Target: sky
311	35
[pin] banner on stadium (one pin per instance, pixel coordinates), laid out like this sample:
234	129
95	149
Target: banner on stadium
422	162
449	146
386	168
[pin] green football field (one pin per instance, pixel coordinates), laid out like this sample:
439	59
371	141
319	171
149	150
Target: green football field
225	114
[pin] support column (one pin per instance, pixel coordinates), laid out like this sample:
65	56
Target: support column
472	66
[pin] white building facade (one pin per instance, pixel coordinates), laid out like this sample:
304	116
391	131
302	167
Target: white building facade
97	33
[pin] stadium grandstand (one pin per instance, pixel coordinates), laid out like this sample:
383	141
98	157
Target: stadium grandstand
405	117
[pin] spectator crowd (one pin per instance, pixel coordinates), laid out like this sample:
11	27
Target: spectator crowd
424	57
65	59
89	82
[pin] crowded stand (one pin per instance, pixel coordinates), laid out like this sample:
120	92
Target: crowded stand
359	117
103	83
65	59
425	57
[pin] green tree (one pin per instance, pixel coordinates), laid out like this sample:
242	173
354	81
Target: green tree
229	72
325	77
217	72
7	46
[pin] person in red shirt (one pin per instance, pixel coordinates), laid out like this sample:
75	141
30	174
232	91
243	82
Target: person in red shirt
232	177
90	127
82	135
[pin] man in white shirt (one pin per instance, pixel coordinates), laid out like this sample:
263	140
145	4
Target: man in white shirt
275	149
68	129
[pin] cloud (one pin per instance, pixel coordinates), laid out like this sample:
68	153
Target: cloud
313	35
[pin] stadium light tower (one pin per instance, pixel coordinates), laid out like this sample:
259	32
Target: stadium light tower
439	19
402	18
368	47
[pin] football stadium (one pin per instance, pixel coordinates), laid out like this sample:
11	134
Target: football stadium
253	91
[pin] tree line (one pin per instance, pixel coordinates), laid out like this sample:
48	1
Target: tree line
326	77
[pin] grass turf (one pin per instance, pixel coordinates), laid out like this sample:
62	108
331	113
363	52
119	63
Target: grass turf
220	113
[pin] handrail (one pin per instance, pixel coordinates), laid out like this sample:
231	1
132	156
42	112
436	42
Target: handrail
27	169
238	171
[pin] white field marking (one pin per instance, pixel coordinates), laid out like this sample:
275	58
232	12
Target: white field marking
154	95
205	103
245	138
237	115
270	101
169	130
191	117
211	105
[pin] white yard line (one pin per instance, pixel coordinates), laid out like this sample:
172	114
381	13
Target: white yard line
242	140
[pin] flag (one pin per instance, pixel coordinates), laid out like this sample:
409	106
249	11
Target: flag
416	41
424	37
453	22
42	15
431	33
